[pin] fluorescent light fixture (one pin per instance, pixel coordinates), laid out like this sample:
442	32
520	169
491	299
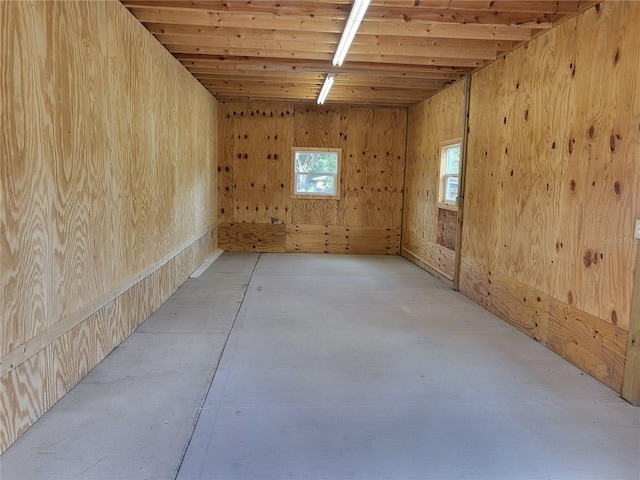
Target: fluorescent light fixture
328	81
355	17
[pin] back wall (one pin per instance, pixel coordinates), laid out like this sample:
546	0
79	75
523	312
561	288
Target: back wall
256	211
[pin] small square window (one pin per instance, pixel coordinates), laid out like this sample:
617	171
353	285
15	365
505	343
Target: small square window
316	172
449	174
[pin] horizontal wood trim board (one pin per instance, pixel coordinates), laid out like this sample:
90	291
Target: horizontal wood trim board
30	348
413	257
252	237
590	343
362	240
359	240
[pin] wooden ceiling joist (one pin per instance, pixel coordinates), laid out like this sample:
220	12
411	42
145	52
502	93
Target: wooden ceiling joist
281	50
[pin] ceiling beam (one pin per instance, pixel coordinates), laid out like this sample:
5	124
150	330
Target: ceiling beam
360	80
330	38
444	30
311	55
318	24
297	65
519	6
227	45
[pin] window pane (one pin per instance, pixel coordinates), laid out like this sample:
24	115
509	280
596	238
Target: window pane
453	160
315	184
317	162
451	189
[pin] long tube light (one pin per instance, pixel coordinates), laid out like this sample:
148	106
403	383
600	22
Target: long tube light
328	82
355	17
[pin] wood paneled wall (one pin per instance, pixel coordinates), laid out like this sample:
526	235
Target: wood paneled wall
256	211
426	234
108	191
553	187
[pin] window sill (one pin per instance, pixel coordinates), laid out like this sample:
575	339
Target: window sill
447	206
317	197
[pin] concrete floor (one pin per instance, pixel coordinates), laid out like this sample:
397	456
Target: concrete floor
336	367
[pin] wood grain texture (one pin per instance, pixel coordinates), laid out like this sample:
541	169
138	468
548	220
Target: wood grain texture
445	260
343	239
447	227
430	123
108	166
549	168
262	160
371	170
588	342
444	278
225	163
631	379
28	392
441	40
596	346
25	396
373	167
600	198
552	168
252	237
26	177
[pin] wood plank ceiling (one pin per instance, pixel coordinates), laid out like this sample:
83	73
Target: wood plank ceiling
404	52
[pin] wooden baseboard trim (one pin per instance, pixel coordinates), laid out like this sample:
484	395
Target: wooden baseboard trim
439	274
31	347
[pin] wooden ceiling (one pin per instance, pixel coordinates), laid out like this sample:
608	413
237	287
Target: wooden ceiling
281	50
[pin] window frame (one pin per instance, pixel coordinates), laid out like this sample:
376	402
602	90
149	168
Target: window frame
316	195
443	175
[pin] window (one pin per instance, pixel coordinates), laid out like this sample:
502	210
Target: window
316	172
449	173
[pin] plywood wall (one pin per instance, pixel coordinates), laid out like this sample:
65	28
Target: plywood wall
427	236
553	187
108	191
256	211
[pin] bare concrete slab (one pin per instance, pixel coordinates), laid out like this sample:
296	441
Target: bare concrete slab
369	368
133	415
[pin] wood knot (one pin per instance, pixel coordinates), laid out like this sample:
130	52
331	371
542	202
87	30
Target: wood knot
617	188
592	131
614	317
572	185
589	258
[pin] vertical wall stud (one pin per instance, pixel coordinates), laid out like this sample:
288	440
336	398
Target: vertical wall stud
631	379
463	169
